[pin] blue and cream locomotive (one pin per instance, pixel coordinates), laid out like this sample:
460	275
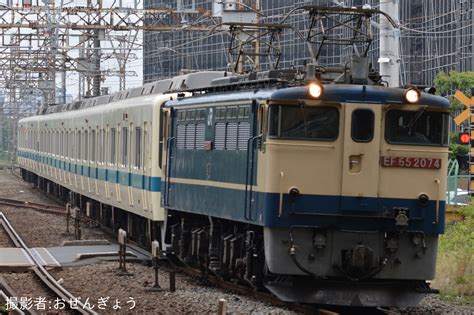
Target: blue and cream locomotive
322	193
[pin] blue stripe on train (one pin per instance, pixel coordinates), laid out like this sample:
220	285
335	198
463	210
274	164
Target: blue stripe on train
313	210
344	212
150	183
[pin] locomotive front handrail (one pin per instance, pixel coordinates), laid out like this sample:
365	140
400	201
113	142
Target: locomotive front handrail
286	144
249	172
168	171
422	151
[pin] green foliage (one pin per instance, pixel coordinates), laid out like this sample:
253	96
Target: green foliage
455	266
446	83
459	236
457	149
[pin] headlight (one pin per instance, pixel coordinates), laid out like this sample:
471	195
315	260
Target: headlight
412	95
315	90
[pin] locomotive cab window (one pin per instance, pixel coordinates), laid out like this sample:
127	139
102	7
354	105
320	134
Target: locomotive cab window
362	125
304	122
420	127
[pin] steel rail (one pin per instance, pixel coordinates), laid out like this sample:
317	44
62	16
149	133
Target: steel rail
6	292
42	273
168	265
40	207
33	205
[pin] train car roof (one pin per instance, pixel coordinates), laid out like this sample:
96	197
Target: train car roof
343	93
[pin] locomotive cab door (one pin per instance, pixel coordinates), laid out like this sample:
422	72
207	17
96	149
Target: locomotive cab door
360	167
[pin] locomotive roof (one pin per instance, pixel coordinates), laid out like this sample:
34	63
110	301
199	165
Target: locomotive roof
332	93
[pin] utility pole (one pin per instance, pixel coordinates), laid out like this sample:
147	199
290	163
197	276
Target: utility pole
389	60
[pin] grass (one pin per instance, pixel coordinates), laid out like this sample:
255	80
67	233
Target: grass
455	266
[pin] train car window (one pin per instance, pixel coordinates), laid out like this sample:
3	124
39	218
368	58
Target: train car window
244	112
138	147
66	144
101	145
203	114
190	136
93	157
112	145
362	125
304	122
124	146
190	114
79	145
180	136
146	147
86	145
233	112
417	127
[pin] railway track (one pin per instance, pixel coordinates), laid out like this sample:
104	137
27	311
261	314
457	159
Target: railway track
45	277
216	281
41	207
6	292
188	271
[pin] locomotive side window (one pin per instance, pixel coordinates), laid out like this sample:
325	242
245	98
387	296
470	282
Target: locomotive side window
417	127
233	129
191	129
304	122
362	125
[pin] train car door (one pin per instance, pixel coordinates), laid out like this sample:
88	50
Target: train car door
166	156
360	167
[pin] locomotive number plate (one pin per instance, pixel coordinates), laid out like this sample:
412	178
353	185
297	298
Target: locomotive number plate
410	162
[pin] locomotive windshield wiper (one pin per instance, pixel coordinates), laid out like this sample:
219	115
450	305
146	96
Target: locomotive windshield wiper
305	120
415	118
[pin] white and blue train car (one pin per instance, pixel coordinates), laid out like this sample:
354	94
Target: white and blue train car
103	154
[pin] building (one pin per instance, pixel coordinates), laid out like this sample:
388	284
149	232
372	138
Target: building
434	36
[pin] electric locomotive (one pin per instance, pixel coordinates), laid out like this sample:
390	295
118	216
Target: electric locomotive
321	185
321	193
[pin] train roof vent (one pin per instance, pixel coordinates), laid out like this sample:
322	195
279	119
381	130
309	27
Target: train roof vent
57	108
161	86
76	105
101	100
147	89
115	97
123	94
135	92
229	80
196	80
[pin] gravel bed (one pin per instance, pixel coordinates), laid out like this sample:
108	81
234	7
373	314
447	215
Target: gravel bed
434	305
102	280
5	239
26	285
35	228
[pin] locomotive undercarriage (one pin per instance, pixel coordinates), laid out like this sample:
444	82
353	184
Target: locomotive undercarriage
231	250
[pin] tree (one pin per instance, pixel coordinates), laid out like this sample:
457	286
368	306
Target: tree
454	80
